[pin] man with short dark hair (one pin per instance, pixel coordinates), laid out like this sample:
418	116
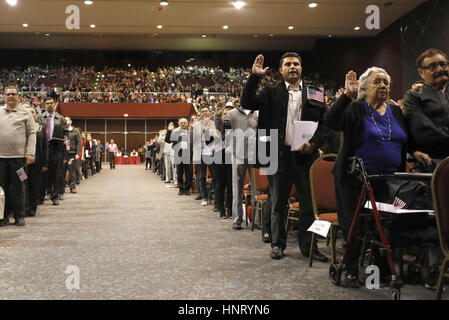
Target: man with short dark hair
279	107
55	127
17	150
426	107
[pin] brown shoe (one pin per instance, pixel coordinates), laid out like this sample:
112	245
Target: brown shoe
73	190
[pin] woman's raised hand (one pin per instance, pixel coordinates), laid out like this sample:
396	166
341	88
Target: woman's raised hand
351	84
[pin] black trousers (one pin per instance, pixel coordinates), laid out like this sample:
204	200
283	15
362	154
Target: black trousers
184	184
91	162
33	187
112	160
223	188
72	166
52	178
148	163
12	186
62	181
266	223
281	184
97	166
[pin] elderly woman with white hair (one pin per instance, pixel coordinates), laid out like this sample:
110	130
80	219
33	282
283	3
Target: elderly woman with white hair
373	130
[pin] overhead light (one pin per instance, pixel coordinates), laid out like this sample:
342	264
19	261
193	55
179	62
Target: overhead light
163	3
290	27
159	26
271	35
88	2
47	34
313	5
330	36
239	4
203	36
225	27
357	28
125	115
25	25
129	64
12	3
255	36
92	26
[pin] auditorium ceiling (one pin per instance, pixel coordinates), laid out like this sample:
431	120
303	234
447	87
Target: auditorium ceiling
190	25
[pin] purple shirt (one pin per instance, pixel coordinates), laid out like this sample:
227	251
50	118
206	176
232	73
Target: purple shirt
111	148
50	125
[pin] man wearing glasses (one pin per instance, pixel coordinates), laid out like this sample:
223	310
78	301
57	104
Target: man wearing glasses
426	107
17	149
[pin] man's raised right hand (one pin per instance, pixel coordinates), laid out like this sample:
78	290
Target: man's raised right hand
258	68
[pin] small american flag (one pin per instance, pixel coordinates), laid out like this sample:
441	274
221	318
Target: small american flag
22	174
398	203
316	95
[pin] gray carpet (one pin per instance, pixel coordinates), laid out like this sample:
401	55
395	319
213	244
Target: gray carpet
132	237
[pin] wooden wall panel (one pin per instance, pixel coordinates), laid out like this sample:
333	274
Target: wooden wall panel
115	125
135	125
95	125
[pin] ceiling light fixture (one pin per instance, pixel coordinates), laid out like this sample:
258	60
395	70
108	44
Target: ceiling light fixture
47	34
163	3
225	27
290	27
25	25
88	2
159	26
239	4
12	3
203	36
357	28
313	5
92	26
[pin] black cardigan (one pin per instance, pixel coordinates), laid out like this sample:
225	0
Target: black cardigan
347	116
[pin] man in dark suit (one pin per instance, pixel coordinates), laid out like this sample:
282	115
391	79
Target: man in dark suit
279	106
55	127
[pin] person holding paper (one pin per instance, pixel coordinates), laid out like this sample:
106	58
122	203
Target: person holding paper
279	107
373	130
112	151
55	127
17	149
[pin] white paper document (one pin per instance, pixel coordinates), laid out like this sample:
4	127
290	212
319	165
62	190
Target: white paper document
303	131
385	207
320	227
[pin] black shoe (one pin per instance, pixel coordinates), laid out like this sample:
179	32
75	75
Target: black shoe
47	197
40	202
198	197
256	226
216	209
187	193
55	202
180	193
267	238
4	222
20	222
31	213
276	253
317	256
236	226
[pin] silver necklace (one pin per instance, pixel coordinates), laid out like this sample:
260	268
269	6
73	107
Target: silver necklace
375	123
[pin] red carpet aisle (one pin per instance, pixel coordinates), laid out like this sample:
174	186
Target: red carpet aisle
133	238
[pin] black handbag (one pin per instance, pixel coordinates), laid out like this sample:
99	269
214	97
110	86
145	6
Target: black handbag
415	194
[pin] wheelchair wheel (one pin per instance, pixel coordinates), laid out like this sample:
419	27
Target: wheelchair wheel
396	294
335	273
